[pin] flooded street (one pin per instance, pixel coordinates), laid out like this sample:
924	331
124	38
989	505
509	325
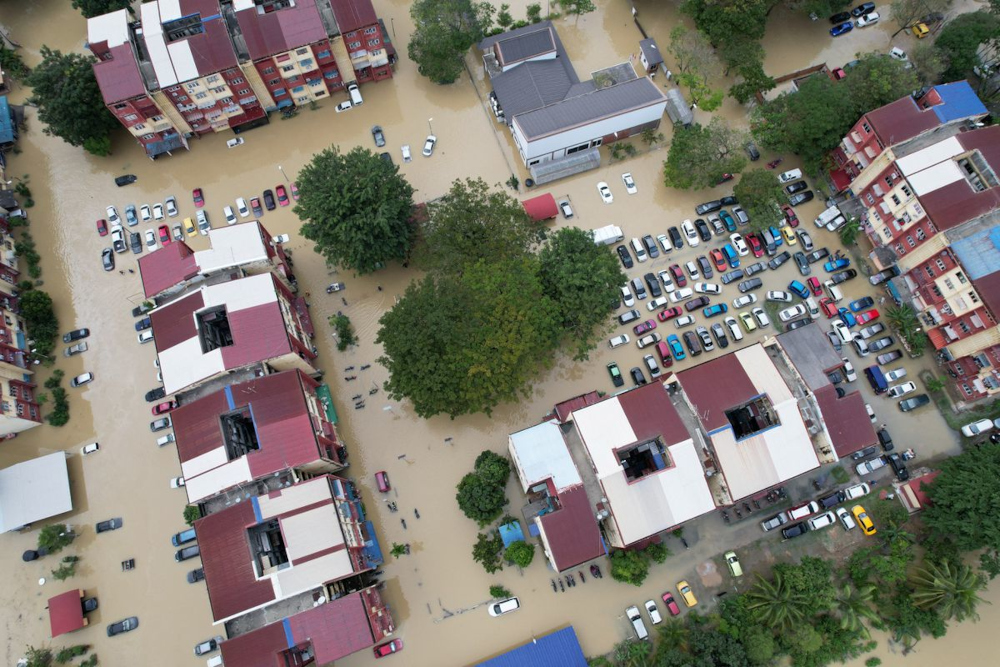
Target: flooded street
438	593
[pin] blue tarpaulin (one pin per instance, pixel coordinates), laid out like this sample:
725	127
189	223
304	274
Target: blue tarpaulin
511	532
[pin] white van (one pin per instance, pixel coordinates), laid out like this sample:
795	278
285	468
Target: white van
639	250
637	625
215	662
352	89
826	216
791	175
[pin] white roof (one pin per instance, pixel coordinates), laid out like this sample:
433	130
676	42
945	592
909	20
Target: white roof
173	63
212	472
111	28
932	167
603	427
34	490
233	245
540	453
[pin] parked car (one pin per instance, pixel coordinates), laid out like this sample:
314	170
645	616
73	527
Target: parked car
863	520
977	428
823	520
888	357
110	524
776	521
761	317
902	389
708	207
803	511
795	530
867	19
504	607
187	553
82	379
870	466
121	627
846	520
686	593
160	424
388	648
779	259
841	29
801	198
910	404
194	576
208	646
429	144
605	192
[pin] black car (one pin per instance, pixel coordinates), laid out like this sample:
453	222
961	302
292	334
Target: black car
864	453
127	179
703	231
628	316
142	309
794	530
143	324
885	439
378	136
194	576
779	259
882	276
861	10
756	267
110	524
129	624
696	303
898	467
108	259
792	326
720	335
76	334
908	404
706	267
90	604
155	394
801	198
624	256
831	500
751	149
269	200
817	255
708	207
135	241
385	156
750	285
797	186
651	249
729	201
187	552
843	276
675	238
616	374
693	345
802	263
637	376
732	276
839	18
654	285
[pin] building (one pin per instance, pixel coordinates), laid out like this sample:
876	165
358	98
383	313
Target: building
650	56
292	546
194	67
247	246
223	327
558	121
34	490
275	429
321	635
556	649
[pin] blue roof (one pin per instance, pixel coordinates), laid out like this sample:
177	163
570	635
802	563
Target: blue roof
511	532
960	101
979	252
559	649
6	123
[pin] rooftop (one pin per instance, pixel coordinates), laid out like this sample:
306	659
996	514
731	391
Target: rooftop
988	288
846	420
542	207
285	28
571	532
526	44
353	14
540	453
186	39
812	354
650	49
118	78
906	118
66	612
557	649
166	267
34	490
273	547
6	122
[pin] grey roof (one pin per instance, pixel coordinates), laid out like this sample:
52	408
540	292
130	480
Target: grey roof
517	32
532	85
651	51
812	354
677	108
587	108
34	490
528	45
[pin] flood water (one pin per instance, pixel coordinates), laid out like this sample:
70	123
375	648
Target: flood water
437	594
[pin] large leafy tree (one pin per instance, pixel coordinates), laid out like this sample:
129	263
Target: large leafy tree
479	499
950	590
356	208
697	66
443	32
876	81
959	41
582	281
41	320
493	468
486	551
630	567
92	8
701	154
55	537
907	13
760	195
721	21
69	100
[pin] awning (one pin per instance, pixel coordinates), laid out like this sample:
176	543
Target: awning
511	532
323	392
66	612
542	207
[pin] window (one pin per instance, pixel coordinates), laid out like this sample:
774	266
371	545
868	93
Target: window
940	264
906	190
888	180
864	126
278	92
374	42
886	232
297	89
896	200
212	79
937	293
268	70
302	51
981	360
961	278
332	74
899	249
307	63
323	54
876	215
245	91
930	271
288	68
148	137
918	209
973	297
294	79
182	98
121	106
964	327
910	242
920	234
870	198
950	285
13	391
354	45
274	82
140	126
371	31
219	90
967	389
129	118
237	80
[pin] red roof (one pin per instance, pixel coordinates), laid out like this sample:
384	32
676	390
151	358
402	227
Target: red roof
172	264
258	333
542	207
651	414
119	78
956	203
918	489
334	630
66	612
989	290
846	420
565	409
901	120
174	323
281	30
211	50
353	14
572	530
716	386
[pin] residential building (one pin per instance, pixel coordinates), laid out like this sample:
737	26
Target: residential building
556	120
274	430
291	547
9	131
19	408
34	490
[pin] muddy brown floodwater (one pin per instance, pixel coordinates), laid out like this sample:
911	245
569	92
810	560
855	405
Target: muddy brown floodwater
437	594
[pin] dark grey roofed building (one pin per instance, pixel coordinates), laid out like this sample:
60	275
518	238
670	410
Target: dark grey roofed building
532	85
526	46
651	56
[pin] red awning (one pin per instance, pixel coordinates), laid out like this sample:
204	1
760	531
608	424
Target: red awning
66	612
541	207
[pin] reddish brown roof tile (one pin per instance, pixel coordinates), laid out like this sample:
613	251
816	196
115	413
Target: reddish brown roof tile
168	266
565	409
953	204
989	290
901	120
650	414
353	14
174	323
119	78
66	612
282	30
258	334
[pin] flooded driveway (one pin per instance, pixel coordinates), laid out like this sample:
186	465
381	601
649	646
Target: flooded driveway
437	594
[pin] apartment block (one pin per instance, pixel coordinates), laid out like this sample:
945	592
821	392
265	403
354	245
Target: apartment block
19	408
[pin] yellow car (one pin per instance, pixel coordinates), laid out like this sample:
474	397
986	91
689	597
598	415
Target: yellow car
789	235
686	593
864	521
921	30
747	320
189	227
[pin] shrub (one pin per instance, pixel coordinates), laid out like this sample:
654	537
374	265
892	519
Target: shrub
497	591
630	567
191	514
657	552
344	331
520	553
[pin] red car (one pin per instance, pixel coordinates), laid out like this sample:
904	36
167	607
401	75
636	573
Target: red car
755	246
282	195
382	479
102	227
255	205
814	286
669	313
678	274
643	327
295	192
867	316
672	607
829	308
164	408
664	351
199	200
164	234
724	178
718	259
383	650
793	220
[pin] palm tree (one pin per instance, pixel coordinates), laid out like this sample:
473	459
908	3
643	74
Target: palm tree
775	603
854	605
951	590
633	653
673	635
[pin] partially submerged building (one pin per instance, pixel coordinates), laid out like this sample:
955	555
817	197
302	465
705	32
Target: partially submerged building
34	490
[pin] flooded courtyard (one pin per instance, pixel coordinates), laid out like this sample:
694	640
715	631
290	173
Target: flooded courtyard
437	593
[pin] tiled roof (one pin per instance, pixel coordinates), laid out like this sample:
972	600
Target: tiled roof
716	386
989	290
565	409
651	414
353	14
526	45
846	420
168	266
572	531
66	612
901	120
119	78
532	85
282	30
558	649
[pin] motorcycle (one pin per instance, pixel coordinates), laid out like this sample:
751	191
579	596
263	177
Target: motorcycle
334	287
773	163
596	572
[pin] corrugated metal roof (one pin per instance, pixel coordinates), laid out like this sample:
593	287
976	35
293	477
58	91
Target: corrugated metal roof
353	14
958	101
716	386
542	207
901	120
168	266
533	85
526	45
812	354
6	122
558	649
979	252
282	30
956	203
572	531
174	323
542	454
34	490
66	612
677	108
846	420
119	78
258	334
197	429
651	51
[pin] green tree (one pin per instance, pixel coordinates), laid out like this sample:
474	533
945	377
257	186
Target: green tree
92	8
813	578
68	98
576	7
928	63
582	280
711	647
700	155
344	331
443	32
70	652
632	653
876	81
473	223
504	19
533	12
498	591
907	13
854	605
721	21
480	500
40	318
657	552
950	590
903	318
487	550
356	208
630	567
520	553
493	468
697	65
849	232
776	604
960	38
753	80
761	196
55	537
38	657
906	622
191	514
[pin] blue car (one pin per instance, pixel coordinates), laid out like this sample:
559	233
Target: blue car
842	29
727	220
799	289
837	264
847	318
675	347
862	303
776	235
717	309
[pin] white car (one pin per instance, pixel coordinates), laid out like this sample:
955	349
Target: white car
741	246
82	379
692	270
171	204
824	520
145	337
849	372
790	313
241	206
761	317
975	428
203	224
113	218
867	20
895	374
629	183
227	212
343	106
803	511
871	413
857	491
605	192
91	448
647	340
658	302
405	150
843	333
150	239
667	280
654	613
664	242
682	294
744	300
707	288
683	321
897	390
690	233
145	214
617	341
428	151
734	328
118	239
280	238
779	296
846	520
566	209
627	297
176	482
504	607
157	211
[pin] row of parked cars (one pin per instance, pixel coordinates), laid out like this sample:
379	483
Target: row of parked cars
822	513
